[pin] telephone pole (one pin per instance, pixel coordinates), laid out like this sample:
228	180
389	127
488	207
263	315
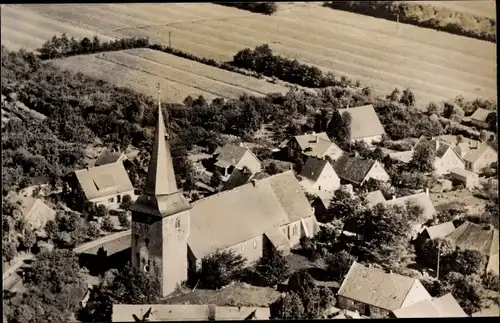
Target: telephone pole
169	39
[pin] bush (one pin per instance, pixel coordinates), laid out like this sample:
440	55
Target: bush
262	60
267	8
219	269
107	224
491	282
424	15
272	267
338	264
123	219
427	253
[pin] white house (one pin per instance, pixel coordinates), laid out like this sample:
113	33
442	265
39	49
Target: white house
318	175
365	124
356	170
232	157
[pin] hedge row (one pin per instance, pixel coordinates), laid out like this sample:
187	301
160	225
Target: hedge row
424	15
63	46
262	60
267	8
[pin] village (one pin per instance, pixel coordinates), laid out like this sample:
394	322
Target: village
220	161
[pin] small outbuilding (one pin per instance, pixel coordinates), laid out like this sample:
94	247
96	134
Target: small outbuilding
464	177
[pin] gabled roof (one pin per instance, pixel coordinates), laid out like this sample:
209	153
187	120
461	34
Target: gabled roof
374	287
364	122
375	197
252	208
402	156
444	306
241	313
104	180
107	157
463	172
276	236
474	236
316	144
440	230
231	154
313	168
480	114
308	139
353	169
35	210
421	199
474	154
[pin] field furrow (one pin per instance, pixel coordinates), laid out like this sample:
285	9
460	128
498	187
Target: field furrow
381	54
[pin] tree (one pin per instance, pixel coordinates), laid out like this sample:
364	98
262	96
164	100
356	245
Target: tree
9	249
427	253
491	282
93	229
467	290
408	98
101	210
216	179
107	224
343	205
338	264
335	124
219	269
288	307
272	169
423	157
301	282
29	239
123	219
465	262
272	267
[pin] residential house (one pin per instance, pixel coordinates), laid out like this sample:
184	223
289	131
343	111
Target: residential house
39	185
323	199
376	293
483	156
374	198
479	118
186	312
464	177
241	177
446	158
422	200
34	211
365	124
314	144
232	157
436	231
404	157
444	306
357	170
109	157
483	238
105	184
318	175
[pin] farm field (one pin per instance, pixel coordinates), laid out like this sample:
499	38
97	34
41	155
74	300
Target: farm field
142	69
485	8
379	53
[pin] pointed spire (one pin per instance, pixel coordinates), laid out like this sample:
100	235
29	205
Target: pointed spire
161	176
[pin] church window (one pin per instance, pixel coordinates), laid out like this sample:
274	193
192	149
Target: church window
177	223
118	199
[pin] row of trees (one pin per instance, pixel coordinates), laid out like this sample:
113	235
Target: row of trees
424	15
63	46
267	8
262	60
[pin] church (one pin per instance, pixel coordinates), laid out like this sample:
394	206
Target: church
170	236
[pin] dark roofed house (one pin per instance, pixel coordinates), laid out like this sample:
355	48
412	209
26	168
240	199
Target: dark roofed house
479	117
232	157
434	232
376	293
109	157
482	238
318	175
365	124
357	170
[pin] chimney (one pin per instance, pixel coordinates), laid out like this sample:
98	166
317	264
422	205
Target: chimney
254	182
427	191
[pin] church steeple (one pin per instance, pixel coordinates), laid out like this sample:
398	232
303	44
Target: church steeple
161	176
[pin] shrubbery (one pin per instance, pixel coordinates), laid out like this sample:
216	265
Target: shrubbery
262	60
424	15
267	8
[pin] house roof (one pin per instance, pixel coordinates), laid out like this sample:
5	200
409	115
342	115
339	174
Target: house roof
364	122
161	312
374	287
375	197
353	169
276	236
34	209
480	114
107	157
421	199
474	154
444	306
253	208
186	312
313	168
236	179
474	236
318	144
402	156
309	139
440	230
104	180
462	172
231	154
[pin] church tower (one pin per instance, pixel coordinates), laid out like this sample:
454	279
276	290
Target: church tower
160	219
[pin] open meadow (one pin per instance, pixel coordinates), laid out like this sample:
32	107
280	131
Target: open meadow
142	69
484	8
379	53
